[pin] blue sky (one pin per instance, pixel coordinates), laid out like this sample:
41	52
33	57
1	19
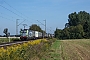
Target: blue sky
54	11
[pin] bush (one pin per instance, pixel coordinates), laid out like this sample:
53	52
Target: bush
15	52
26	51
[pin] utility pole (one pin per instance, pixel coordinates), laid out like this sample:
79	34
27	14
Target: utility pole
45	26
17	26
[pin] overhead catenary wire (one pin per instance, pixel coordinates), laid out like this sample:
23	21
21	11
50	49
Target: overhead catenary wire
14	13
11	11
16	10
7	15
13	8
41	23
17	13
6	18
22	15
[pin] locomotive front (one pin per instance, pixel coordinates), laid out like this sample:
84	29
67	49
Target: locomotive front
24	34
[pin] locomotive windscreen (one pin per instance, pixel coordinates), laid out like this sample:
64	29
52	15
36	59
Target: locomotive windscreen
23	32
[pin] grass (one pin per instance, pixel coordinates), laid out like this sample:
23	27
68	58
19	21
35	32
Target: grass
78	49
53	53
4	40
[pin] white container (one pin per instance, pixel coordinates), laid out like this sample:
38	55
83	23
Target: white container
30	33
39	34
36	33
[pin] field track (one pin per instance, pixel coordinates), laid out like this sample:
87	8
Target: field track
70	50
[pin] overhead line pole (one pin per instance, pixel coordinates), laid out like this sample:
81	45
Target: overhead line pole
18	25
45	26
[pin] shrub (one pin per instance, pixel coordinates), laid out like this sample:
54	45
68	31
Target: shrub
26	51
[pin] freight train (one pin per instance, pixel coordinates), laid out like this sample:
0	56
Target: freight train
27	34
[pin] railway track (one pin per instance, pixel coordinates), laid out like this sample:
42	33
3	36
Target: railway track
10	37
11	43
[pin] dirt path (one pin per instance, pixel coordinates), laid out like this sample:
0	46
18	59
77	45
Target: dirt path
69	50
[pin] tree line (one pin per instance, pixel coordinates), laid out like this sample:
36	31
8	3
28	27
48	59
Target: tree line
78	26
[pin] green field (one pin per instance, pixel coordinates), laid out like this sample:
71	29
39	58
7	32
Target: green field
5	40
69	50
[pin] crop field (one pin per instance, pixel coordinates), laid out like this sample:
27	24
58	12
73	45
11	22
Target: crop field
69	50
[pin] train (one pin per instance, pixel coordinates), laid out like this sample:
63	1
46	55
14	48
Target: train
27	34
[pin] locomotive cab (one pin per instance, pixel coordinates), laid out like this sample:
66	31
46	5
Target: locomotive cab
24	34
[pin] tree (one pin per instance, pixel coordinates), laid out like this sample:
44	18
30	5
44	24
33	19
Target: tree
79	32
78	18
6	32
58	33
73	19
35	27
86	29
66	25
66	33
82	18
77	27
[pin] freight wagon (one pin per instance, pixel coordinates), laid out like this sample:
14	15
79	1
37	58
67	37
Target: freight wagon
27	34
